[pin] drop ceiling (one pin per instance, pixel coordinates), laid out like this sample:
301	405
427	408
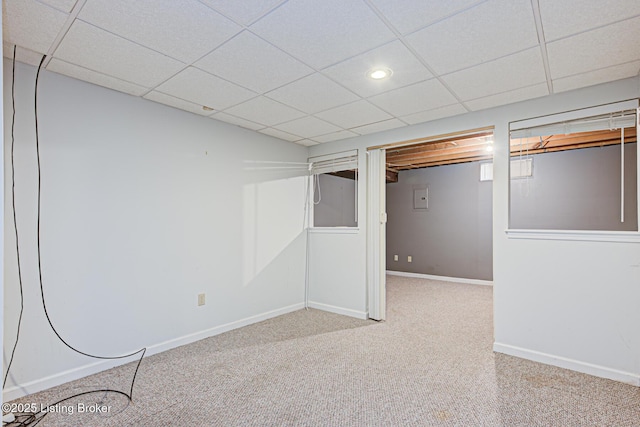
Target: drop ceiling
296	69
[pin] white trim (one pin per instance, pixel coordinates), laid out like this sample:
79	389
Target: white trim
579	235
340	154
566	363
16	392
334	230
339	310
574	114
441	278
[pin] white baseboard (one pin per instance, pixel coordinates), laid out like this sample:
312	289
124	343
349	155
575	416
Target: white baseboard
566	363
16	392
339	310
441	278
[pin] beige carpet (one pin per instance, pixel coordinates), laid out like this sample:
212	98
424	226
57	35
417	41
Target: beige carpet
429	364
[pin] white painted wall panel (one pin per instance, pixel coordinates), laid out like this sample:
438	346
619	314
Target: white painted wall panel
143	208
569	303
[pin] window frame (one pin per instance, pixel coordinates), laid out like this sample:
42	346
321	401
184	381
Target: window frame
342	161
568	234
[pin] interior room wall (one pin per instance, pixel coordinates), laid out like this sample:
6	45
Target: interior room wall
569	301
577	190
143	207
453	236
337	258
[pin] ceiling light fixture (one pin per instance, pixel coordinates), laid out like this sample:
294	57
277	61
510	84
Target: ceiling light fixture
379	73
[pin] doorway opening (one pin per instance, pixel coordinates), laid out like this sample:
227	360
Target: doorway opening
436	203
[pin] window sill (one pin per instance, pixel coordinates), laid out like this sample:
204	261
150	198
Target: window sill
334	230
576	235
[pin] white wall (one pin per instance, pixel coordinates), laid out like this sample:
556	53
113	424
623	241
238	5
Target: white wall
568	303
337	258
2	193
143	208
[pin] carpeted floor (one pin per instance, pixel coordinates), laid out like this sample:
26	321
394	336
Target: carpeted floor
429	364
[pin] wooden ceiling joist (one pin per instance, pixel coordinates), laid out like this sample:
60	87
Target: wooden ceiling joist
470	148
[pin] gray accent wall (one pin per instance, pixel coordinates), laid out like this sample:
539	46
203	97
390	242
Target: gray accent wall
570	190
337	203
576	190
453	236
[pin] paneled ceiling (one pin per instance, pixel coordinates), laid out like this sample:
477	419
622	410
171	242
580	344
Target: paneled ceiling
297	69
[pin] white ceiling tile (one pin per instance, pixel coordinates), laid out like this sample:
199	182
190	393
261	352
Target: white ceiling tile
358	113
23	55
205	89
185	30
312	94
321	33
306	142
71	70
502	75
245	11
228	118
172	101
567	17
617	72
62	5
406	68
280	134
98	50
30	24
436	113
253	63
308	127
379	127
510	97
412	99
266	111
604	47
488	31
409	15
335	136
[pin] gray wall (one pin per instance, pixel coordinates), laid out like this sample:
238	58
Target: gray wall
576	190
453	236
337	207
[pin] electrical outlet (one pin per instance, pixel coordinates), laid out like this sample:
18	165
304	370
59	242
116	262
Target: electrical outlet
200	299
409	258
395	257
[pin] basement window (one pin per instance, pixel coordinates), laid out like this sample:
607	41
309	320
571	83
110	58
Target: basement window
334	190
576	171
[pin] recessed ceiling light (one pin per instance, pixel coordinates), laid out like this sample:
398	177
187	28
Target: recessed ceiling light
379	73
489	148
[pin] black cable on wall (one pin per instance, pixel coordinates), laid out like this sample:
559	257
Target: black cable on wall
32	419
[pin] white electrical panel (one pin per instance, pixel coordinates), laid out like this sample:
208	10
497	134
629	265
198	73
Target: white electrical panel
421	198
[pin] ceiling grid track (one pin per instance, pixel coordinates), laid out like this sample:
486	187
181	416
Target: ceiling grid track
63	32
414	53
535	5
